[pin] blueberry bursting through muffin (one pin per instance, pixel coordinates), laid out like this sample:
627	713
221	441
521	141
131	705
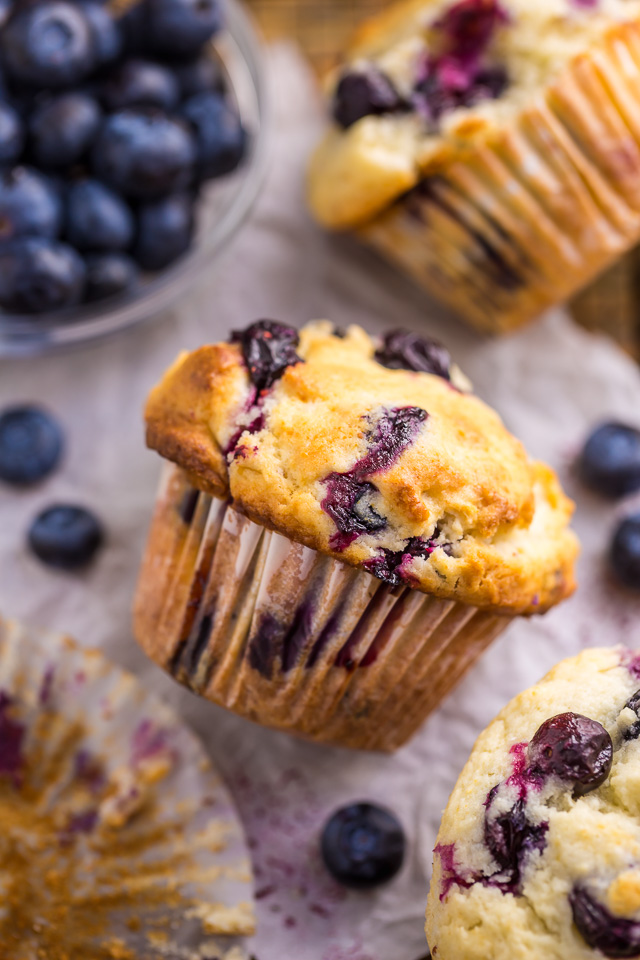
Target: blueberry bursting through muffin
568	752
457	75
268	349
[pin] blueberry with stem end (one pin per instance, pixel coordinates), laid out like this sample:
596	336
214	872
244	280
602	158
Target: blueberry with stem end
610	460
624	554
48	44
363	845
573	748
66	536
31	444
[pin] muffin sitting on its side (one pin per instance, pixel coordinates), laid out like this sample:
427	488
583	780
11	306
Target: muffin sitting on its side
538	854
490	147
343	529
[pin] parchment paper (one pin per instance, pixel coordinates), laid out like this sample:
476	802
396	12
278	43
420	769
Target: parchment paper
551	383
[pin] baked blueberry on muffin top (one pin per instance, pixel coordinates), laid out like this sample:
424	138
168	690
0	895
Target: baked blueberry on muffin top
539	847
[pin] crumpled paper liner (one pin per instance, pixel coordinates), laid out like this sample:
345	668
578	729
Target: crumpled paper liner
117	840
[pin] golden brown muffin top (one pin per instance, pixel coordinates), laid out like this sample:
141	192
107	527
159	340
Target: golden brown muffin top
369	451
426	80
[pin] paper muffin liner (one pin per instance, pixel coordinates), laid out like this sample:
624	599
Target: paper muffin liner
528	216
118	841
290	638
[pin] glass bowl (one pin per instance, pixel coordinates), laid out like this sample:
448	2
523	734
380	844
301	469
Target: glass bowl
223	206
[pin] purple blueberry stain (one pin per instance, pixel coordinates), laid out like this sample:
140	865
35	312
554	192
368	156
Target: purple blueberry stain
510	838
405	350
573	748
12	735
268	348
390	566
350	496
147	742
453	875
633	703
601	930
46	687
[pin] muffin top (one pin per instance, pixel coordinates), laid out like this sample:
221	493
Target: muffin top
538	853
372	452
426	78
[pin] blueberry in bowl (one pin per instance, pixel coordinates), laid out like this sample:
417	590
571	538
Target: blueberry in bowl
135	163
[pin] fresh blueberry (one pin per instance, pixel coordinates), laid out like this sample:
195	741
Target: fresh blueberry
221	138
363	845
97	218
140	83
362	93
611	935
133	29
108	275
30	445
6	8
625	552
66	536
48	44
180	28
204	75
29	206
610	460
510	836
38	275
268	349
144	155
573	748
62	129
405	350
11	134
105	32
165	229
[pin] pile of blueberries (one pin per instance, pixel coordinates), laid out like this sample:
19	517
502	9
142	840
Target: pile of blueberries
109	126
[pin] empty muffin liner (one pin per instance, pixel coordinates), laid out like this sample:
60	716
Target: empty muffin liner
534	211
291	638
117	840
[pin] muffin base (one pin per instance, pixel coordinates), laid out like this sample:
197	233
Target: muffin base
529	214
290	638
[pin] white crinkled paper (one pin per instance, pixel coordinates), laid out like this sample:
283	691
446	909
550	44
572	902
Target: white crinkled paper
550	382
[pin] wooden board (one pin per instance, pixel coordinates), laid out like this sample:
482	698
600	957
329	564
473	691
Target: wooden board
322	28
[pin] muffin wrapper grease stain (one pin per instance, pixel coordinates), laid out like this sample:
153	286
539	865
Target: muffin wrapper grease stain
118	841
529	214
290	638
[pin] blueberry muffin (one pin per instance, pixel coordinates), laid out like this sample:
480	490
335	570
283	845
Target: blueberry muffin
490	147
539	847
340	519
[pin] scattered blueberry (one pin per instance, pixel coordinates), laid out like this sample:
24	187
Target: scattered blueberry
140	83
362	93
66	537
180	28
97	218
29	206
204	75
363	845
38	275
105	32
612	935
405	350
144	155
610	460
11	134
268	349
220	136
30	445
165	228
48	44
62	129
574	748
625	552
108	275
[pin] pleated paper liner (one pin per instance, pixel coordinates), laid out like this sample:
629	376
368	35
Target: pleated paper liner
528	217
117	839
291	638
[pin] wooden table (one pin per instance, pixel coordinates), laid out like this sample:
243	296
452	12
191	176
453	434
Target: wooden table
322	27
